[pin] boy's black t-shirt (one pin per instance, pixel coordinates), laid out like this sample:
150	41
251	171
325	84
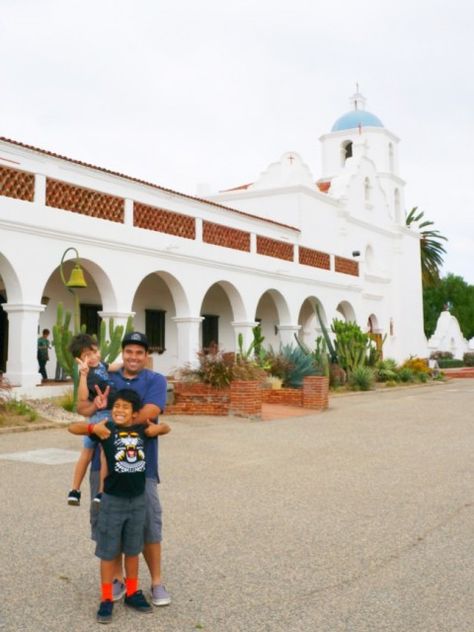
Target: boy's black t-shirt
125	454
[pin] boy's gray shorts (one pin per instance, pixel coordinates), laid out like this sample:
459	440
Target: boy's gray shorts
153	520
121	526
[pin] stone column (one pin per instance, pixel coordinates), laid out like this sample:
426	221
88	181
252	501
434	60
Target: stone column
22	364
188	339
287	334
244	328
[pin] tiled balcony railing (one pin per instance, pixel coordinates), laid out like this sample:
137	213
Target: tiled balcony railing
18	184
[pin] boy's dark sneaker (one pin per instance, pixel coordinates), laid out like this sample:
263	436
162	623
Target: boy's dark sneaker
138	602
97	498
104	613
74	497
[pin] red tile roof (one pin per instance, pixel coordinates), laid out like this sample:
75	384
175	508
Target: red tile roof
242	187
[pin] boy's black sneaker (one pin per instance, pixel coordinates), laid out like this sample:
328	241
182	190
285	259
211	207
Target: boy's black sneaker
104	613
138	602
97	498
74	497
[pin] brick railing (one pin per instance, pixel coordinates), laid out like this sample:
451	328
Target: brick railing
274	248
224	236
346	266
18	184
314	258
84	201
164	221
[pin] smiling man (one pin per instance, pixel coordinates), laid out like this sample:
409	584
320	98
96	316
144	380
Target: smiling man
151	387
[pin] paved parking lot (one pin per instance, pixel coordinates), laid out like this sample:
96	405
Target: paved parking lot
357	519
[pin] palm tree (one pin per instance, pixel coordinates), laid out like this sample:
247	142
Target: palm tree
431	246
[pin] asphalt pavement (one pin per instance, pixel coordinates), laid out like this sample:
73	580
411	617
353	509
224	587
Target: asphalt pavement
357	519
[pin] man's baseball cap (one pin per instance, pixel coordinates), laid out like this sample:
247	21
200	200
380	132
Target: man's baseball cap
135	338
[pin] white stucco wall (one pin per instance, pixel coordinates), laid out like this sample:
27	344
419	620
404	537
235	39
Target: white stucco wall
130	269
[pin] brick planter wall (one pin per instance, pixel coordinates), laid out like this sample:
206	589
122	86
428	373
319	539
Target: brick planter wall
315	392
199	399
288	396
246	398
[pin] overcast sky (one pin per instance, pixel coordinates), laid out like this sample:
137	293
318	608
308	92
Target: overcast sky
212	91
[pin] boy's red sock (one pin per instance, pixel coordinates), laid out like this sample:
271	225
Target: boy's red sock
132	585
106	592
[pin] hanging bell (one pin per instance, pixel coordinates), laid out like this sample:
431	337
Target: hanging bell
76	279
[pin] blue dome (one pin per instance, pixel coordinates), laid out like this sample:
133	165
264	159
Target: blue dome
353	119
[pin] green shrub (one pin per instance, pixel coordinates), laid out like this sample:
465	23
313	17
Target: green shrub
246	370
391	383
450	363
66	401
362	379
276	364
19	407
386	370
468	359
406	375
422	377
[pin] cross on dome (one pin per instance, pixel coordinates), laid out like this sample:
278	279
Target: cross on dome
357	117
357	99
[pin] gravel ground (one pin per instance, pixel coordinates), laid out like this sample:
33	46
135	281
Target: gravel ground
52	412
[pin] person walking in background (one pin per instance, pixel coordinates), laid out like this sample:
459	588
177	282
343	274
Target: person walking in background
43	353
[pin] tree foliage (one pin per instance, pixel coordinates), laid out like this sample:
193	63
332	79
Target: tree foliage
451	290
432	249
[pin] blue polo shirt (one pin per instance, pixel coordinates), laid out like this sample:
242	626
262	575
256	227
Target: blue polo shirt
151	387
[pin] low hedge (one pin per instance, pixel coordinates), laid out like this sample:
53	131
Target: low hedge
448	363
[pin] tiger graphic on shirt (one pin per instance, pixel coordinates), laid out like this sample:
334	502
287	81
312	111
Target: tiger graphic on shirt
129	452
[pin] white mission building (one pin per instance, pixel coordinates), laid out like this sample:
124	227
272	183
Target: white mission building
194	270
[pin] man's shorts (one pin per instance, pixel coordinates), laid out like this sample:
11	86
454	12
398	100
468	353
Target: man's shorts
120	527
87	442
153	519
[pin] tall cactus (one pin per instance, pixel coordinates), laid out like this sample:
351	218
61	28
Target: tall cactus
109	345
330	347
62	337
352	345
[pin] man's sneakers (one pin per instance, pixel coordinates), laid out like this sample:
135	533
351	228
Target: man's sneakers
97	498
74	497
118	590
104	613
160	596
138	602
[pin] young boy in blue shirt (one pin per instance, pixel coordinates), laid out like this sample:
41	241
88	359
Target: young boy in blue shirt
92	373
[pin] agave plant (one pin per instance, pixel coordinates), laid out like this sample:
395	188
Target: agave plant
300	363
